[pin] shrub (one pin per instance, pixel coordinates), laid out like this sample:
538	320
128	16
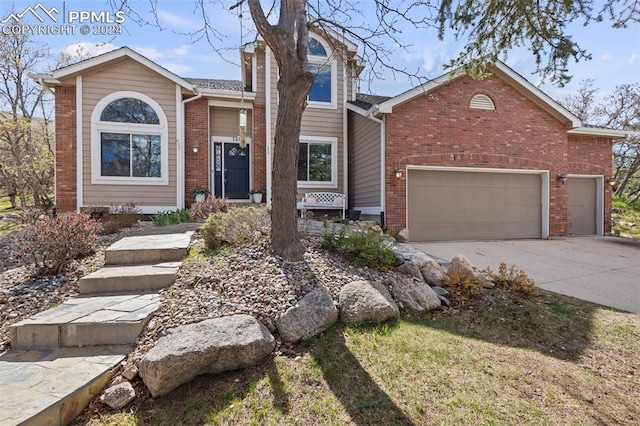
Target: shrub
31	215
514	280
202	209
52	243
120	217
237	226
362	248
463	287
170	217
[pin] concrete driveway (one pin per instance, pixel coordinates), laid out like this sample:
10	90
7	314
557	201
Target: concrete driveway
603	270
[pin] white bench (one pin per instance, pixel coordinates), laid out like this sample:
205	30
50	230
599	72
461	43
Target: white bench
323	201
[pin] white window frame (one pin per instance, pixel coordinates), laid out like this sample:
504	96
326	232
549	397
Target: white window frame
98	127
334	162
332	63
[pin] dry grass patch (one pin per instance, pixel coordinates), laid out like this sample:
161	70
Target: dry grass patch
550	360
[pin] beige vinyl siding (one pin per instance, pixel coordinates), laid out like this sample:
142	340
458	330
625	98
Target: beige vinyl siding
323	122
226	121
128	76
365	145
261	75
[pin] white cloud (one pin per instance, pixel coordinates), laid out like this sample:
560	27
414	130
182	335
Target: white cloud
181	51
92	49
177	21
178	69
605	57
149	52
633	57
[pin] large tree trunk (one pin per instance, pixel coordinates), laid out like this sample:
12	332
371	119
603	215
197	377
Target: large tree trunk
288	40
284	222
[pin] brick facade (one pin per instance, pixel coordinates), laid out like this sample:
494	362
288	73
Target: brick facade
196	134
66	142
259	146
439	129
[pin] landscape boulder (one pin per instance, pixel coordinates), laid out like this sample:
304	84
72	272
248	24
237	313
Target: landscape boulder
461	266
412	254
211	346
118	396
315	313
366	302
433	273
414	295
411	269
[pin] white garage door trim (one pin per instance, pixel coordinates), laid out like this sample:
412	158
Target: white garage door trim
599	200
544	196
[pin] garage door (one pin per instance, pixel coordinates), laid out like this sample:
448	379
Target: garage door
464	205
581	209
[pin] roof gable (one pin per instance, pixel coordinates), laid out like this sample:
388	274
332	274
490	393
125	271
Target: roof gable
115	56
501	71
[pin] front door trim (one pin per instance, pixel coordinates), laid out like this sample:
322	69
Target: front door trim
212	160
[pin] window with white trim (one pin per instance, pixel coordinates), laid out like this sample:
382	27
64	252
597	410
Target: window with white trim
317	161
129	141
323	93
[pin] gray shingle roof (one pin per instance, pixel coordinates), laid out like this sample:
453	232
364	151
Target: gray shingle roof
366	101
216	84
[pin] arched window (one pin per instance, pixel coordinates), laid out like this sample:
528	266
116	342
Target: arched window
324	92
129	140
481	101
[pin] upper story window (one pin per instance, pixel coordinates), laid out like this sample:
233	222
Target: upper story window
324	92
129	139
481	101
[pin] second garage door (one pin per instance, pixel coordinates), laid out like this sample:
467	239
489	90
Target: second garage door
466	205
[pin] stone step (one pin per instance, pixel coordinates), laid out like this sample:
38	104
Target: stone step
52	386
149	248
129	279
87	321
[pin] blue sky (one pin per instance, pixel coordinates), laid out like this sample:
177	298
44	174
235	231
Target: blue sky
616	52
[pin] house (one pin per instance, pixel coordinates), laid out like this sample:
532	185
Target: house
473	159
489	159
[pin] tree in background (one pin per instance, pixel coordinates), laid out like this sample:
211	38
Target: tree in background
26	134
618	110
492	27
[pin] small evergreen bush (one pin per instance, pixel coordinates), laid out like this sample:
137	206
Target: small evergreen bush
237	227
362	248
202	209
51	243
514	280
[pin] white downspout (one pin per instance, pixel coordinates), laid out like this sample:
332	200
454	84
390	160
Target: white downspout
267	83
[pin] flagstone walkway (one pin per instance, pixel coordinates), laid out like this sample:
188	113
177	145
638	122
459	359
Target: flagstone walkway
65	356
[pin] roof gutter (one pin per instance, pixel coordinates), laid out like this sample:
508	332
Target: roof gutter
597	131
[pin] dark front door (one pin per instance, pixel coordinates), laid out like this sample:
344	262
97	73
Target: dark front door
236	171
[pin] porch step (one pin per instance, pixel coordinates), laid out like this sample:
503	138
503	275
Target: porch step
87	321
129	279
147	248
52	386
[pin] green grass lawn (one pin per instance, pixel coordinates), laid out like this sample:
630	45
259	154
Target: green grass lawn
546	361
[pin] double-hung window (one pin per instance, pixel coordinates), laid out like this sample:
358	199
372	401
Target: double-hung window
317	162
129	141
323	93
